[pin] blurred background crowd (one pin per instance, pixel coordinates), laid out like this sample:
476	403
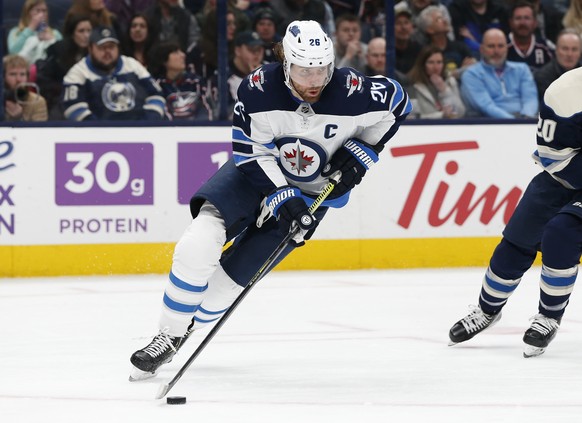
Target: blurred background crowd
158	59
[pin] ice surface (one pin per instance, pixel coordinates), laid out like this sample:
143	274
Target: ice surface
365	346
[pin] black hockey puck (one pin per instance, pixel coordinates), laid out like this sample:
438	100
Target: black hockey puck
176	400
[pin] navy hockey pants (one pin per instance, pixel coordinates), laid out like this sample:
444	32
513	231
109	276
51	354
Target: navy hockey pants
238	201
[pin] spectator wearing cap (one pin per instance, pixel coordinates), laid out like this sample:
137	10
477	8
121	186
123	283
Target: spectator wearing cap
406	48
106	85
248	56
265	25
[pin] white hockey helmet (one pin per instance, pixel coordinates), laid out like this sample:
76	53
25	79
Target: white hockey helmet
306	44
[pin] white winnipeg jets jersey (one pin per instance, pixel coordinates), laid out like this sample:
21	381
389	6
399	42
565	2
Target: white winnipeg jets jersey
279	140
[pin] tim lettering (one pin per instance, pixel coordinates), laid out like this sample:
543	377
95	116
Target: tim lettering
466	204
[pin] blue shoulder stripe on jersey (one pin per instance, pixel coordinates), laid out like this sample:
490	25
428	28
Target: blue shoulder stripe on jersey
179	283
182	308
238	134
546	162
399	96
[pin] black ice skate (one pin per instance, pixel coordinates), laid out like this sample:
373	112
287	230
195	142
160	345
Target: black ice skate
472	324
539	335
160	351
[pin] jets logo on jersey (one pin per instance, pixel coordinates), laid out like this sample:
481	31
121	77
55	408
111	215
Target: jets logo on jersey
257	79
118	96
354	83
300	159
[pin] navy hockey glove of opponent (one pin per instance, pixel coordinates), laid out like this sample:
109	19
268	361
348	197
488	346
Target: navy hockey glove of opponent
353	160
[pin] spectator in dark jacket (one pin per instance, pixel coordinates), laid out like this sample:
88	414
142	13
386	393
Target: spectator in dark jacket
471	18
61	57
185	92
174	24
568	54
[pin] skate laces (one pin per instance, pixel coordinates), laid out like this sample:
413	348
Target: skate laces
476	319
543	324
160	344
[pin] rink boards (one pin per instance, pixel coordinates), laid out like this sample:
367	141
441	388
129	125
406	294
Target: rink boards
115	200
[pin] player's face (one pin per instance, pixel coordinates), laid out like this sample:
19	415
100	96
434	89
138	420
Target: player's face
14	76
308	82
82	33
434	64
568	50
104	56
494	48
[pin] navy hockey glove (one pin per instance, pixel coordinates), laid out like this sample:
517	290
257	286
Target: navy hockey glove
353	160
287	205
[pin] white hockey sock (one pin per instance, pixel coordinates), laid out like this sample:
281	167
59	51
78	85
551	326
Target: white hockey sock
221	293
195	260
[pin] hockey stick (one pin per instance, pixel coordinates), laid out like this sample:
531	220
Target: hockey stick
165	388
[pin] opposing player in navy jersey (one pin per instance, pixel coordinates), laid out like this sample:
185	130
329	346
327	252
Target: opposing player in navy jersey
295	123
547	219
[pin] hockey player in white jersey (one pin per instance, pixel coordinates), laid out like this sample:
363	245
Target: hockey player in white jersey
295	123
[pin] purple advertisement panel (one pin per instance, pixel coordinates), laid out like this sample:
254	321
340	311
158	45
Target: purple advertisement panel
197	162
104	174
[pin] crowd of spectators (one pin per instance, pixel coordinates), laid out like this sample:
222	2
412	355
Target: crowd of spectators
158	60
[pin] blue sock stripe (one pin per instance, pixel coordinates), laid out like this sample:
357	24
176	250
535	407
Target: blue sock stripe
559	281
499	286
176	306
203	310
179	283
198	319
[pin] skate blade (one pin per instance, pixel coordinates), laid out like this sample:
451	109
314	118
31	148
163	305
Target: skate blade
136	375
531	351
452	343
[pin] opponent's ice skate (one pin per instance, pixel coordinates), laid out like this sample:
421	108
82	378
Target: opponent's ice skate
472	324
160	351
539	335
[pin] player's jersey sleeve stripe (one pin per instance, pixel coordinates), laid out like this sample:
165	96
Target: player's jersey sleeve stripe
399	97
